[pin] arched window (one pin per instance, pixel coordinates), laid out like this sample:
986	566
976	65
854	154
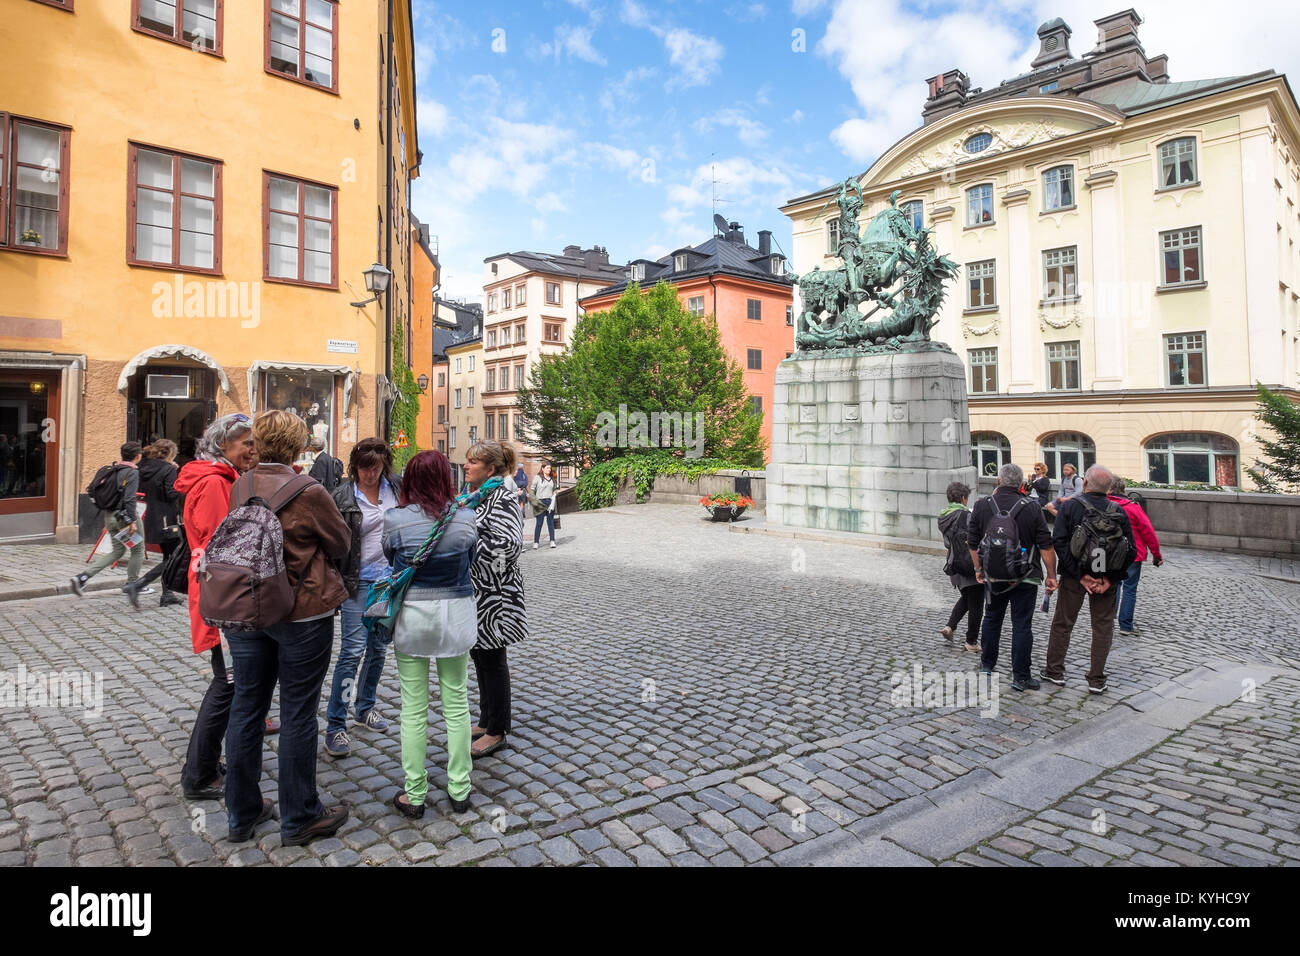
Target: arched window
979	205
915	212
1192	457
1067	448
1058	188
989	451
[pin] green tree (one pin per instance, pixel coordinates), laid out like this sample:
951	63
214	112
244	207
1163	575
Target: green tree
650	355
406	409
1279	469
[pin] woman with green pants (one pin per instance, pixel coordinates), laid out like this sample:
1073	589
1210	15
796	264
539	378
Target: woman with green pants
438	622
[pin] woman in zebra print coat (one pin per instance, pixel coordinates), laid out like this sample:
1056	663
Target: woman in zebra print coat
498	589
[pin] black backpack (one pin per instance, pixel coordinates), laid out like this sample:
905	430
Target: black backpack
959	561
105	489
176	567
1002	558
1098	542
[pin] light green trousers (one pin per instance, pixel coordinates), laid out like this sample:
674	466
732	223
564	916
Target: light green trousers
113	526
413	672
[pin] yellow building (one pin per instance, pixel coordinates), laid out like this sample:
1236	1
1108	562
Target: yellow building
1128	254
425	271
464	389
187	215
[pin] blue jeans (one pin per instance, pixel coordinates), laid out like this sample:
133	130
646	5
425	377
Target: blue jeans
1022	599
298	655
549	518
357	647
1128	597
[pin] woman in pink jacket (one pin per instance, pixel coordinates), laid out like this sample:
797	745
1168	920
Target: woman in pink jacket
1144	536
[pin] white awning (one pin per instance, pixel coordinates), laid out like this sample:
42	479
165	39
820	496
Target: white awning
257	368
172	351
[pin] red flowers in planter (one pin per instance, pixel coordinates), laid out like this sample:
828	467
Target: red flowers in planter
727	498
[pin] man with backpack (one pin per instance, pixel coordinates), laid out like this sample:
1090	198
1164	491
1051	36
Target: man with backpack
113	490
1009	542
954	522
1095	540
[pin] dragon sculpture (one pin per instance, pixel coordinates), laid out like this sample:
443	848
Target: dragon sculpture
894	267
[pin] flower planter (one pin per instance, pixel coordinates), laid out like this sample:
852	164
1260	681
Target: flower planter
725	512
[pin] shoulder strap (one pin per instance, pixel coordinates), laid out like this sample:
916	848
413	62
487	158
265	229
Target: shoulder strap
288	491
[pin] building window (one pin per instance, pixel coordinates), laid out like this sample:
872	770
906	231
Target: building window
978	143
1062	365
519	426
301	222
442	379
492	339
695	305
1049	87
309	395
442	414
451	436
915	213
981	284
519	295
505	298
754	309
553	332
302	42
983	371
470	403
756	404
833	237
789	315
519	334
637	272
755	359
457	364
679	262
1059	273
503	426
175	201
1181	249
33	185
1185	359
778	265
1192	457
1058	188
1178	162
473	434
195	23
491	384
552	293
979	205
471	363
442	447
456	398
989	451
489	427
492	302
1067	448
519	377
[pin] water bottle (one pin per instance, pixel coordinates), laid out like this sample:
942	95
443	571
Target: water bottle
1047	599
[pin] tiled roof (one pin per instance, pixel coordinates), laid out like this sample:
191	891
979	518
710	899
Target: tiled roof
716	256
569	266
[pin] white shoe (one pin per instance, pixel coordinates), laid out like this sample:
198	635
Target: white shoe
534	545
552	544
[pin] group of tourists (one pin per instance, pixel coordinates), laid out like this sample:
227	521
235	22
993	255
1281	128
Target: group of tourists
445	565
1001	551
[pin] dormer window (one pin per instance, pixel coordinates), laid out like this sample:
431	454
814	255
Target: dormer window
679	262
778	265
637	272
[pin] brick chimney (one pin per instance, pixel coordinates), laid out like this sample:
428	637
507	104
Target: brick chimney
947	95
1119	31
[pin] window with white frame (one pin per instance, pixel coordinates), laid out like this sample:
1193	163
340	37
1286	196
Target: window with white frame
492	302
989	451
519	377
979	205
1185	359
1192	457
490	385
981	284
458	365
1180	252
492	339
473	434
778	265
679	262
471	396
1067	448
789	315
552	293
519	334
456	398
519	295
471	363
1058	188
489	427
636	272
915	213
695	305
833	237
553	332
983	370
1060	278
1178	162
505	298
451	436
1062	365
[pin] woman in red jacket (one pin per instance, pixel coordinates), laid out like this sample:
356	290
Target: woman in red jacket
225	450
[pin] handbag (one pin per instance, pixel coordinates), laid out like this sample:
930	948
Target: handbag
176	568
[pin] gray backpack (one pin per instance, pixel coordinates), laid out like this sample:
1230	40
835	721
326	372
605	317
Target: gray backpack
243	584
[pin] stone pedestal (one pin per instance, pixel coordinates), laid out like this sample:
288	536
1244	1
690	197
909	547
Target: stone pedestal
868	443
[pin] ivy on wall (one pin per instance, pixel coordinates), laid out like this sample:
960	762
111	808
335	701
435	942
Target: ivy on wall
406	409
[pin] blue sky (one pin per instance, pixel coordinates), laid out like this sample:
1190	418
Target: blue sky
552	122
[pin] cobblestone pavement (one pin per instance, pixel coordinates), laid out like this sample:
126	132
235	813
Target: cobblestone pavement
689	697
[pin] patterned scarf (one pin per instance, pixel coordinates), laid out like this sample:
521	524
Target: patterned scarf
466	499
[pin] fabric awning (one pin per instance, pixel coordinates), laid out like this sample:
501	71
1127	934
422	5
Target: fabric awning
257	368
172	351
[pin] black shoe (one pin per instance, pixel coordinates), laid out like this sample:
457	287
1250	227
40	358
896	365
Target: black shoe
406	808
244	834
169	598
216	790
1025	683
458	806
79	585
325	825
132	592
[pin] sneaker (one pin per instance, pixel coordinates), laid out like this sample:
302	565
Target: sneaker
973	648
946	632
987	670
1097	688
458	806
144	590
325	825
1058	681
244	834
534	545
79	585
552	544
1025	683
337	744
373	721
1131	632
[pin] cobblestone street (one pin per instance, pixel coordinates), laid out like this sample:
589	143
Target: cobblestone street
694	697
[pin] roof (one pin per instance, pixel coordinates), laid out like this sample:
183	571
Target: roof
573	267
468	326
716	256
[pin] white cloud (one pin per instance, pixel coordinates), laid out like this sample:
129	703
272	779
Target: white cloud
576	42
750	131
803	7
432	116
795	117
618	95
696	57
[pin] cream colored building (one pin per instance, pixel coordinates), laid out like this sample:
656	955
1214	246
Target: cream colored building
530	308
465	402
1128	254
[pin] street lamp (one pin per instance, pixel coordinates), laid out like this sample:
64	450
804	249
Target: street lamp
376	282
423	382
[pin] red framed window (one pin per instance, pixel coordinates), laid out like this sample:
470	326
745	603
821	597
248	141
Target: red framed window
299	231
302	41
33	185
196	24
61	4
174	211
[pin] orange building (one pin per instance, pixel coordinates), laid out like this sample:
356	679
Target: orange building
748	290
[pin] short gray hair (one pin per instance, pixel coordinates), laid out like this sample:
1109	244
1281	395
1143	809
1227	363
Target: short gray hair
1097	478
224	430
1118	486
316	443
1010	476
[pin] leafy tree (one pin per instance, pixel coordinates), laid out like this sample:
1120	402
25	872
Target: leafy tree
650	355
406	409
1279	470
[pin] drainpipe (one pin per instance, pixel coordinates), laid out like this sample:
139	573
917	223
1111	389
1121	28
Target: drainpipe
388	211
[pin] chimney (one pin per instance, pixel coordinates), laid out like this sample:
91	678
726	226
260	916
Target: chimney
947	95
1158	68
764	242
735	233
595	256
1054	44
572	250
1118	31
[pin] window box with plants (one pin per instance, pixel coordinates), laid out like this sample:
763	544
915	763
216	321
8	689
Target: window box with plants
30	237
726	505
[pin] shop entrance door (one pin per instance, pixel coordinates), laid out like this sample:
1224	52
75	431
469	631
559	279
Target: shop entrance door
175	402
29	453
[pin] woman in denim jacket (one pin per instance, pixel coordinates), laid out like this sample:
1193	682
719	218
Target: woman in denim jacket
438	621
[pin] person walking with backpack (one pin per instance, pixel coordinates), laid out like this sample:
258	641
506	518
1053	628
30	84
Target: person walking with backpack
370	492
498	588
1095	540
161	520
1144	537
278	618
954	521
224	452
1009	545
540	494
114	491
434	534
326	469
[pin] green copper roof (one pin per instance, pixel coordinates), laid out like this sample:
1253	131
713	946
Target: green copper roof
1138	96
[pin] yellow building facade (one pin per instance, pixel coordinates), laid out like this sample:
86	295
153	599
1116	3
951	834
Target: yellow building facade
465	411
188	215
1127	245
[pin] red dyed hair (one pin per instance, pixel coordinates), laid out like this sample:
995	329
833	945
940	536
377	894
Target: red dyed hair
427	483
